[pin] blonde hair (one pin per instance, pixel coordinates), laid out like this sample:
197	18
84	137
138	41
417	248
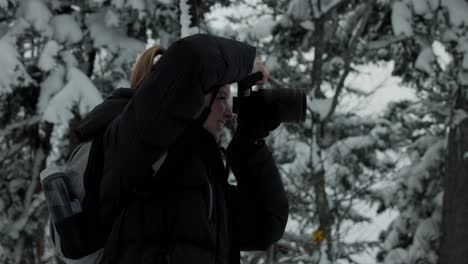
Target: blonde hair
143	65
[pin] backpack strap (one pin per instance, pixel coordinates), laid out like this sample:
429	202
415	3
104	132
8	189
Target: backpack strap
91	181
94	169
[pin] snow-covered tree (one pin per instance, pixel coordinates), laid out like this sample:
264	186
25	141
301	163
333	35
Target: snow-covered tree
427	40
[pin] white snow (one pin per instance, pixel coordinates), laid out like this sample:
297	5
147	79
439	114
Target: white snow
47	59
427	231
117	3
302	151
335	173
272	62
342	148
50	86
449	35
463	77
121	83
263	27
397	256
66	29
299	9
321	106
465	61
443	57
307	24
425	235
112	18
434	4
421	7
402	19
376	79
136	4
458	11
36	13
69	58
425	60
459	116
429	161
12	70
185	18
166	2
78	90
391	240
113	39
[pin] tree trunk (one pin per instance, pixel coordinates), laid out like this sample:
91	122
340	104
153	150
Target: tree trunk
454	231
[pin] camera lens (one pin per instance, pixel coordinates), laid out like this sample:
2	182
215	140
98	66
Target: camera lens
290	103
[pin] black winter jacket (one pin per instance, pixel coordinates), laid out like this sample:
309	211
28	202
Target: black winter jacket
187	212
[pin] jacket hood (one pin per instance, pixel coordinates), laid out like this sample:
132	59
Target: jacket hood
97	120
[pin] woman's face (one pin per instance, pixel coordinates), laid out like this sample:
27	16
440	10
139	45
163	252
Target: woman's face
221	111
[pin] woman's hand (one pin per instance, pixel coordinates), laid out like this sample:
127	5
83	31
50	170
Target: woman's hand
258	66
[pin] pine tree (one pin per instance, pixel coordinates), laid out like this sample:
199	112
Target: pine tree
426	40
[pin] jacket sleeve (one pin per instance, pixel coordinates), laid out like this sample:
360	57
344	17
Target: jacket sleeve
258	206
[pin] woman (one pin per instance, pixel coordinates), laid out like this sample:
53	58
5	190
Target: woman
185	211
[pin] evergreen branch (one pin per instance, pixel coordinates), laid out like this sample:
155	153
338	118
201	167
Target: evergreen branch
28	122
13	150
13	229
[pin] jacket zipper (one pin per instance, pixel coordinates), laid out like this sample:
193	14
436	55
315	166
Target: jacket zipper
210	198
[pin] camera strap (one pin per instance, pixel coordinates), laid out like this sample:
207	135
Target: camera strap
207	110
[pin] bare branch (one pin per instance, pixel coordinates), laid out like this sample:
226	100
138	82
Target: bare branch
384	42
39	159
348	58
333	6
316	74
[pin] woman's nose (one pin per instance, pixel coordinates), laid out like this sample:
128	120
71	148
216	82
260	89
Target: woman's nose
228	113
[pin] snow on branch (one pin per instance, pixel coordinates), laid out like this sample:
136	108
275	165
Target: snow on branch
402	19
36	13
28	122
425	60
13	72
14	228
343	148
79	89
13	150
112	38
186	20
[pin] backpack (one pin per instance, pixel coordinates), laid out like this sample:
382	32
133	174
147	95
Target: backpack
71	191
